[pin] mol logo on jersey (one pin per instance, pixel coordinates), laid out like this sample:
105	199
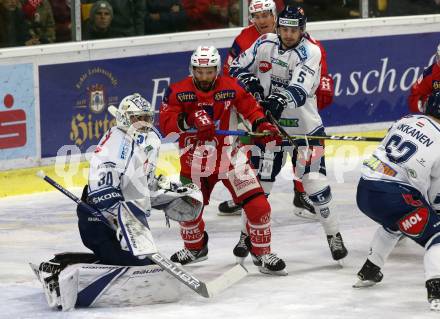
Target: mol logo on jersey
414	223
265	66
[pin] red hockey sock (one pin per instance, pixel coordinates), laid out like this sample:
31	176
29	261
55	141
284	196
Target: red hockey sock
258	226
298	186
192	233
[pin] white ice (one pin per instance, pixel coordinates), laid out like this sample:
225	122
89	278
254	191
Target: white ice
34	227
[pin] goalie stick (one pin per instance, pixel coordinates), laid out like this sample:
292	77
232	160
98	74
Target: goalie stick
204	289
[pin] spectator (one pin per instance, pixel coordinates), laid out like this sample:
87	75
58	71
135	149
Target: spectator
206	14
164	16
129	17
14	30
99	24
234	14
61	14
39	16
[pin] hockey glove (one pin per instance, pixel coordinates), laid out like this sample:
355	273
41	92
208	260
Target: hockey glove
275	104
204	124
325	92
252	85
265	127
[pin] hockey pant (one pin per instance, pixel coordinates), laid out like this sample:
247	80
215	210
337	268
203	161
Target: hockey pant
243	190
309	165
401	209
102	240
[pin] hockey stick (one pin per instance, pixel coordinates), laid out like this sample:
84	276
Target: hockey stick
305	136
204	289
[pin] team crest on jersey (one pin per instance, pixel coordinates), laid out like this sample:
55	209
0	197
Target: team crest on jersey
224	95
414	224
302	52
264	66
186	97
436	85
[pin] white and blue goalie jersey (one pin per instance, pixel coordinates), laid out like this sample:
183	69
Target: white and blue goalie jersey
410	155
294	72
122	169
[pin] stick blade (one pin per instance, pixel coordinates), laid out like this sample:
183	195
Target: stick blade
226	280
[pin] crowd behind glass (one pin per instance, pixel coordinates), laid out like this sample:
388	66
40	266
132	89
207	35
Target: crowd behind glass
31	22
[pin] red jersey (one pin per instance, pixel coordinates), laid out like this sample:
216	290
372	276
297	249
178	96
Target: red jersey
241	43
423	88
224	104
250	34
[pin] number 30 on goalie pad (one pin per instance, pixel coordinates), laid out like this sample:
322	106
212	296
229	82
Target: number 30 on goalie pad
94	285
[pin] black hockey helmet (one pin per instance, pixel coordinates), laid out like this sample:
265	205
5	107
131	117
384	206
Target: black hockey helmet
432	106
292	17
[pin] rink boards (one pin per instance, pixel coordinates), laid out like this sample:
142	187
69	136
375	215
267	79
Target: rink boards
55	97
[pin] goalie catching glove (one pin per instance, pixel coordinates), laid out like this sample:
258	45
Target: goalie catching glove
179	203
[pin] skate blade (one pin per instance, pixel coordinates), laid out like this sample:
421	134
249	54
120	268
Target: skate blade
304	213
234	213
435	305
341	262
364	284
273	273
197	260
240	260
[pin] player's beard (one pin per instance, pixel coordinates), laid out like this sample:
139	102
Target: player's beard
204	86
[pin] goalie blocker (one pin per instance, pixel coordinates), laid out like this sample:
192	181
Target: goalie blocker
72	280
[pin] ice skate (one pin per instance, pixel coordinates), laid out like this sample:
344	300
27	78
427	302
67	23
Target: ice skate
270	264
229	208
186	256
433	288
302	206
337	247
241	250
369	275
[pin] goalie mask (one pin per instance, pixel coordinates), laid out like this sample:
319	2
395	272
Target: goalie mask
204	67
134	113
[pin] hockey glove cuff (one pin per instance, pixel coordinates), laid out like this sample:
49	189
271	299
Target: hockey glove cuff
275	104
271	130
252	85
204	124
325	92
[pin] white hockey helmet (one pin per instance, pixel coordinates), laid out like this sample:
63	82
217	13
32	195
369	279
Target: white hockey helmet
262	5
205	56
133	106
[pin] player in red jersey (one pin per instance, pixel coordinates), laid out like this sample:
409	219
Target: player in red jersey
263	15
194	108
427	83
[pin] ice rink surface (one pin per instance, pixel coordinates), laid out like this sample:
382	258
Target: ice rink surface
34	227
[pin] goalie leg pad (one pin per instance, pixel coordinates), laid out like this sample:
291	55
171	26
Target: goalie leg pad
93	285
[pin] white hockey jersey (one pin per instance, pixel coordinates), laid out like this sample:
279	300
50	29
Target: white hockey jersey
291	71
409	154
125	164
